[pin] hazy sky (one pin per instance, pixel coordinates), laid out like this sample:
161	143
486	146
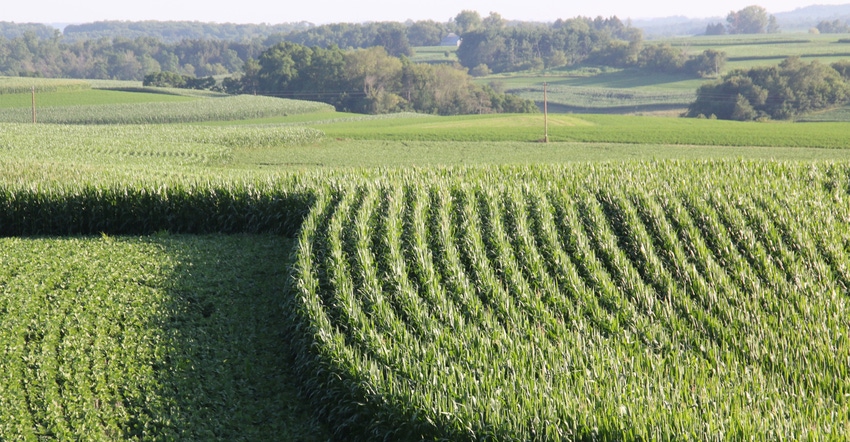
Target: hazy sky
332	11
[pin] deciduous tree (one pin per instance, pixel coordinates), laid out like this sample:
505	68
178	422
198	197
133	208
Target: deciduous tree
750	20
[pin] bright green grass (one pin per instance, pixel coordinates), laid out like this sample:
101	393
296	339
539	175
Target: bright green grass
154	338
86	97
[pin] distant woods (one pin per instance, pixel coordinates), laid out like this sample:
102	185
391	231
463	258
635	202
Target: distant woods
491	44
133	50
600	41
775	92
369	81
750	20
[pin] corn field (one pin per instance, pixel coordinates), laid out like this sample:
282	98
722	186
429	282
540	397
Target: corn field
655	302
612	301
239	107
17	85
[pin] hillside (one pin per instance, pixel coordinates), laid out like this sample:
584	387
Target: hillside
798	20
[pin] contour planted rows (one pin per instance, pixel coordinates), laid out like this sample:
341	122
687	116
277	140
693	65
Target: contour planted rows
618	302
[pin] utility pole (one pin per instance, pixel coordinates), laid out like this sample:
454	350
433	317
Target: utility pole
33	105
545	115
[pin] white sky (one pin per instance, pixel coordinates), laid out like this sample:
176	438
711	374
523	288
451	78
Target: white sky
333	11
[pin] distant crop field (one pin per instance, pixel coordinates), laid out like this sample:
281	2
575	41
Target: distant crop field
594	129
16	85
563	99
158	109
84	97
141	145
593	89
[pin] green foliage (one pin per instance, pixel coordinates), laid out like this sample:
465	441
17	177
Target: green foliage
78	97
14	30
164	79
709	63
370	81
631	130
509	49
833	27
545	303
751	20
661	58
426	33
175	80
158	338
190	207
782	92
175	31
394	40
467	21
121	58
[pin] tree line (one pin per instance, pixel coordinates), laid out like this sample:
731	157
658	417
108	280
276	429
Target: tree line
491	44
369	80
176	31
599	41
121	58
776	92
750	20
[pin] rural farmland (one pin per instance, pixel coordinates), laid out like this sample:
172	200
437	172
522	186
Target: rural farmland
193	265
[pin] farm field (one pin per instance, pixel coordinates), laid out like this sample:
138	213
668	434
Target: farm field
420	277
613	302
617	91
129	338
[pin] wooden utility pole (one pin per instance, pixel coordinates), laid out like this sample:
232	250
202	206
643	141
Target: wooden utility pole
545	115
33	105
